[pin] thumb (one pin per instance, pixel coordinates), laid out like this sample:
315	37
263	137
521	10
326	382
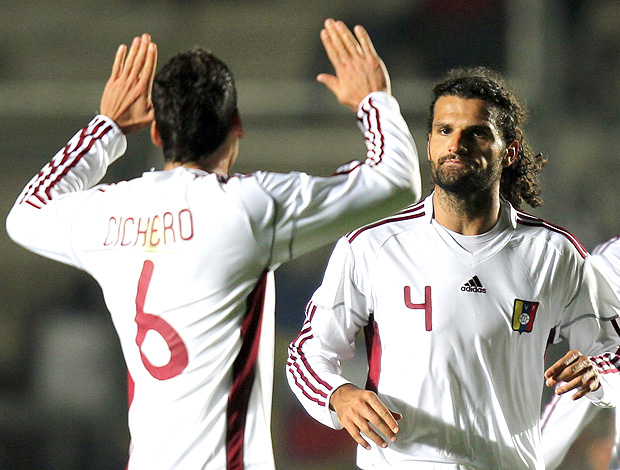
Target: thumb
328	80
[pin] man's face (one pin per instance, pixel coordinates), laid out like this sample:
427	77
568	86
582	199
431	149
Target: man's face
465	148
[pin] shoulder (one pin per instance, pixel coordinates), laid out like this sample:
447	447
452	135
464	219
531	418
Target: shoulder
539	230
378	232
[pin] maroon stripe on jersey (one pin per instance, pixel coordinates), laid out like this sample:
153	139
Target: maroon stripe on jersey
373	353
53	166
606	363
244	371
79	156
35	186
131	387
293	366
377	142
346	172
302	358
396	218
531	221
379	157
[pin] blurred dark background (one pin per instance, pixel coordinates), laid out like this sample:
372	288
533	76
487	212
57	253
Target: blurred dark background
62	379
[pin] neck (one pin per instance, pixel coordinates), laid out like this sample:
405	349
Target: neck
472	215
219	168
218	162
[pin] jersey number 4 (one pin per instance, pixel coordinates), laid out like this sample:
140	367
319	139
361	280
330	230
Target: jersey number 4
427	306
146	322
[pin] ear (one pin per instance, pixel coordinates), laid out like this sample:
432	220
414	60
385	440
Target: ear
236	129
512	152
155	136
428	148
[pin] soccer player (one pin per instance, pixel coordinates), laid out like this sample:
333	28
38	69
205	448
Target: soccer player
458	297
564	420
184	256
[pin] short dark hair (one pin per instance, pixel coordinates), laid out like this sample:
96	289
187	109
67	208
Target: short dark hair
195	99
519	181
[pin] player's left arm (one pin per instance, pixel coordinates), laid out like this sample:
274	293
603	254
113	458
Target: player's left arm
40	218
591	368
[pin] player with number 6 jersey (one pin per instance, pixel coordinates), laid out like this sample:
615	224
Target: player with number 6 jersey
185	256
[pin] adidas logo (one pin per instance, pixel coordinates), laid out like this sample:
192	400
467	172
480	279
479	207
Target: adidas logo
474	285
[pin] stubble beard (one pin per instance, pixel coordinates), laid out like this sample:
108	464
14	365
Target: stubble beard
467	181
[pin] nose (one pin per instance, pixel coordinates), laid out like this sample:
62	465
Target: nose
456	144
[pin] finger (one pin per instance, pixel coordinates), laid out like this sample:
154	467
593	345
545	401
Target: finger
328	80
348	40
385	422
584	391
153	65
119	60
354	432
329	47
140	58
575	369
148	70
335	37
367	430
133	51
364	40
562	363
587	380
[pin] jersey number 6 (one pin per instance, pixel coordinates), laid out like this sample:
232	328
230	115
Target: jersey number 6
146	321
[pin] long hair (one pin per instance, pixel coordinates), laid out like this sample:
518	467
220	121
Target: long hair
195	99
519	181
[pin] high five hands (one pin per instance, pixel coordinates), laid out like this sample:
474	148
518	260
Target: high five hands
126	98
359	70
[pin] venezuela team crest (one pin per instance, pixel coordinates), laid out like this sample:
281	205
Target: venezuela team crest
523	315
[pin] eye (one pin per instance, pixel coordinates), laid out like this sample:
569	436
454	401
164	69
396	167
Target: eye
443	131
482	134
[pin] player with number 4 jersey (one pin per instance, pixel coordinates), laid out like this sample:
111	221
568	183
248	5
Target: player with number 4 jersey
461	364
459	297
185	256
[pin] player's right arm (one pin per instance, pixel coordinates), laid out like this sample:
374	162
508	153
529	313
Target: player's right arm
334	316
312	211
40	218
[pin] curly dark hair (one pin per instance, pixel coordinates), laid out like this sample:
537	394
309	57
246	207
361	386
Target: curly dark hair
195	99
519	181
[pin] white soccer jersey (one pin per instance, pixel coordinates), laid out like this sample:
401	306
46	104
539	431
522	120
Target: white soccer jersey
563	419
455	339
184	260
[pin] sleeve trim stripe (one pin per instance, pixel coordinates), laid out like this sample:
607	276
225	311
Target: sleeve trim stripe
292	363
396	218
300	386
55	170
531	221
374	134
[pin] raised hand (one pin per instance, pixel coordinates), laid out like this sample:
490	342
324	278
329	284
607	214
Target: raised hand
576	371
359	70
357	409
127	95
